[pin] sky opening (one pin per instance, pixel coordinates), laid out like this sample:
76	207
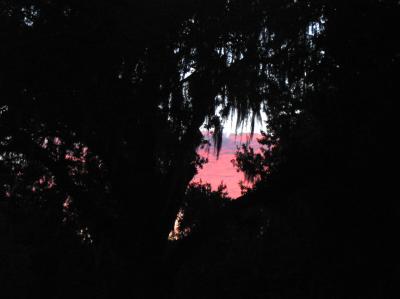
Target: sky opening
221	169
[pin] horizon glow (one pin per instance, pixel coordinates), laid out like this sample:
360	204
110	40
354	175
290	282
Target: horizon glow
222	170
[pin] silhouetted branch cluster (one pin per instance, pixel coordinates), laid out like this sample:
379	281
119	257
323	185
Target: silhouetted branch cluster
100	108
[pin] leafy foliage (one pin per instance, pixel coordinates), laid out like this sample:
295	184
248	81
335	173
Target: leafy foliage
102	101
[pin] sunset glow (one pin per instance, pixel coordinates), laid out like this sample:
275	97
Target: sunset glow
221	169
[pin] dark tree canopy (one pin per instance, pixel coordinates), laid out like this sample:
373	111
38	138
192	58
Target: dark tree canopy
100	108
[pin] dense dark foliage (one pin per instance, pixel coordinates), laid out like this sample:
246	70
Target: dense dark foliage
100	108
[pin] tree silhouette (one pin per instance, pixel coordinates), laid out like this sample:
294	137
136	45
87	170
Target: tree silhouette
324	171
100	110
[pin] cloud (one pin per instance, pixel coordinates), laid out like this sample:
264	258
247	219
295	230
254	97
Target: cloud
221	169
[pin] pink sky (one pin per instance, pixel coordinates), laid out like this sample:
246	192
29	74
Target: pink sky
222	169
